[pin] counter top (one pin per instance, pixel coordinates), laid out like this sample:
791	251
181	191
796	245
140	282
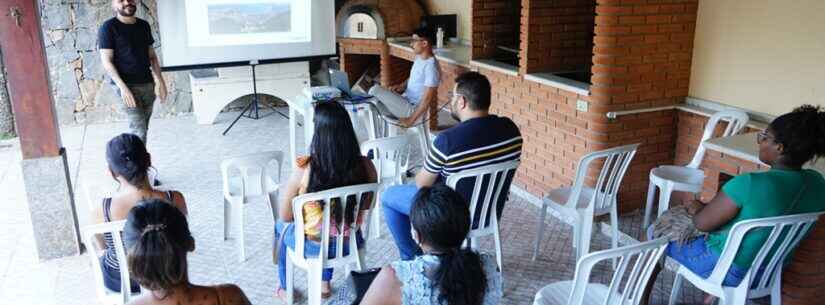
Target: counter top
744	146
453	52
553	80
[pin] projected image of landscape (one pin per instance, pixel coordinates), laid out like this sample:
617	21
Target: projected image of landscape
249	18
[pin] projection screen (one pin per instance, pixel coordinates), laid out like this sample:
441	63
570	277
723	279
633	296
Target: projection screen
203	33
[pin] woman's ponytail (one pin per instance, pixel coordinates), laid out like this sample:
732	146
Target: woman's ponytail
460	277
157	239
441	217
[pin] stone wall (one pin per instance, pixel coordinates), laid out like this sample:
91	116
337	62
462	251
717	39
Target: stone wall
81	91
6	117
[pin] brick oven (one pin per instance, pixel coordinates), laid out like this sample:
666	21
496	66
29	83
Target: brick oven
364	26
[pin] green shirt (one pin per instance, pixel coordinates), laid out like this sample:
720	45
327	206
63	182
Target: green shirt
767	194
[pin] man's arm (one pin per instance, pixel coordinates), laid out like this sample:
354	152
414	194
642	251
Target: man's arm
160	85
107	59
427	99
399	87
425	178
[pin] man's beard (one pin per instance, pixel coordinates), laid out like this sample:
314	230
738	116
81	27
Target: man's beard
127	11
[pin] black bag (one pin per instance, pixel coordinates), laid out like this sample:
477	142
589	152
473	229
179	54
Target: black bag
361	281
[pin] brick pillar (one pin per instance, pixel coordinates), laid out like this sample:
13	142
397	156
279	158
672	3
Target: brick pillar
642	57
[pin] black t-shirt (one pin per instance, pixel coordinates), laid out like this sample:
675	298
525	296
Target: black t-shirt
131	43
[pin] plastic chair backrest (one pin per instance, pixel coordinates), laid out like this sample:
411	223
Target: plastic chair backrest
785	234
89	239
643	257
393	149
495	175
736	122
616	161
359	193
253	172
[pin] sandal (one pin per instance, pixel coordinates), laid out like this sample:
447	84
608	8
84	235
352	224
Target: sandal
280	294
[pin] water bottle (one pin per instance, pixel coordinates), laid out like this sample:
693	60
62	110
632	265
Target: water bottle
439	38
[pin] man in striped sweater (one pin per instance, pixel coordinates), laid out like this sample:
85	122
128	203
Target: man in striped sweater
480	139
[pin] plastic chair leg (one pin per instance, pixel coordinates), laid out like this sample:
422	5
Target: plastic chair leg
585	232
540	230
651	195
614	231
239	235
314	281
290	278
227	218
664	199
676	291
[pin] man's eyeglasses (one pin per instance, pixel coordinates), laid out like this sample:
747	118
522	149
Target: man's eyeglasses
763	136
454	94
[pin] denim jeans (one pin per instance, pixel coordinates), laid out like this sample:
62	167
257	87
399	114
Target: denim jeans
396	202
311	248
698	258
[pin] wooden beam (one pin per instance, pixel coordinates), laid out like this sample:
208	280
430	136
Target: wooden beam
24	56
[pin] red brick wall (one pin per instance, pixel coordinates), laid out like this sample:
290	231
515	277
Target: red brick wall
557	35
359	54
642	57
555	134
802	279
495	22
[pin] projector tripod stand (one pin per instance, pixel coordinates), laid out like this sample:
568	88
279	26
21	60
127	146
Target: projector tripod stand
254	106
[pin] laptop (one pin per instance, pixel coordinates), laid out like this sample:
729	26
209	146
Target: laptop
339	79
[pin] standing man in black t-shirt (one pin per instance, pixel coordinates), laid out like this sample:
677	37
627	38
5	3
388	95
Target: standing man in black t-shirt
126	52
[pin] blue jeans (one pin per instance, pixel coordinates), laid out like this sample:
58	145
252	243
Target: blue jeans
310	248
698	258
396	202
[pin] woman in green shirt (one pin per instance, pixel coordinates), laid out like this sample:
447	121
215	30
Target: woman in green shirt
789	142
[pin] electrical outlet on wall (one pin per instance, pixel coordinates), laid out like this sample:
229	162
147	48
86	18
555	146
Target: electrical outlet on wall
581	106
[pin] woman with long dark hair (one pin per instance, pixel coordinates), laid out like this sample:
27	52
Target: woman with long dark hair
128	163
157	239
334	160
446	274
790	141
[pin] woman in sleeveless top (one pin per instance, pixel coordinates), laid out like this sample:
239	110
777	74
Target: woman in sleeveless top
157	239
790	141
128	163
446	274
335	161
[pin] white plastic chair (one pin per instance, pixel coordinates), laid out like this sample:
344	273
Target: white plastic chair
689	178
495	176
391	159
246	177
582	203
314	265
95	251
785	234
643	256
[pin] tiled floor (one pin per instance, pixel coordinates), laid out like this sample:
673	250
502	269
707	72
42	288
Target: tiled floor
187	156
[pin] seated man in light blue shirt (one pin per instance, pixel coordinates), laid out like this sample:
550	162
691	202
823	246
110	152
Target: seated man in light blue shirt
420	90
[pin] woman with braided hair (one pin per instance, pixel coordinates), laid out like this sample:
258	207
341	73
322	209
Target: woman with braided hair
446	274
790	141
157	240
128	163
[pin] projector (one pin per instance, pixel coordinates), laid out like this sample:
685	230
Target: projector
322	93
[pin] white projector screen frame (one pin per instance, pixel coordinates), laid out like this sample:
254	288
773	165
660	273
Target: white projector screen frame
191	39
